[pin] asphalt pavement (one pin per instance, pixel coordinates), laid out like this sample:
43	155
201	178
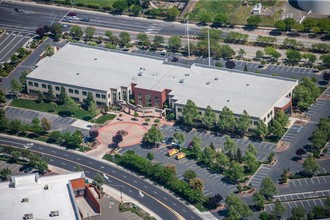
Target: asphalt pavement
153	197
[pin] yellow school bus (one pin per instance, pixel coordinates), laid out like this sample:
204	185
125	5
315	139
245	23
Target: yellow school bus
180	155
172	152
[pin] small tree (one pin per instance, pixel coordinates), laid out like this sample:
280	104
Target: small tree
259	201
93	110
35	126
189	174
76	31
117	138
125	38
174	43
4	173
50	94
267	188
259	54
143	39
56	30
310	165
298	213
241	53
196	183
180	137
271	157
93	133
237	208
254	20
278	209
150	156
78	168
98	181
153	135
137	10
46	124
49	50
89	32
158	41
15	86
70	105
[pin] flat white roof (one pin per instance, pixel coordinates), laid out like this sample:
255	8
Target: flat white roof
41	202
101	69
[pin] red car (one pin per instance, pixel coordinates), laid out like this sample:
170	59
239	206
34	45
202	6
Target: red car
189	145
71	13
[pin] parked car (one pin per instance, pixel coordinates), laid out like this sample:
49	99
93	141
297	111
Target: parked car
18	10
190	145
23	168
71	13
28	169
85	19
28	145
164	52
169	140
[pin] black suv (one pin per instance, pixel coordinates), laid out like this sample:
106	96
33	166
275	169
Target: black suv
18	10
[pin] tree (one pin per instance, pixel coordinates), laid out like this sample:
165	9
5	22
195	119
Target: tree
15	155
153	135
93	110
41	31
298	213
241	53
251	161
70	105
93	133
179	137
15	125
174	43
209	117
4	173
196	147
89	32
50	94
143	39
15	86
259	200
172	13
309	23
243	123
226	51
292	43
221	160
310	165
196	183
227	120
253	20
78	168
220	19
252	149
45	124
259	54
150	156
271	157
190	113
188	175
282	118
237	208
289	22
293	56
2	96
124	37
73	141
272	52
235	171
230	148
63	95
136	9
117	138
56	30
320	47
98	180
40	96
35	126
158	41
267	188
278	209
306	92
49	50
325	60
207	156
214	201
277	129
309	57
76	31
119	6
280	25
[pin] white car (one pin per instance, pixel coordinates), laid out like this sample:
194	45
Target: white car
105	176
28	145
164	52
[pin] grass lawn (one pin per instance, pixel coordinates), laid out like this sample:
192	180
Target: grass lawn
84	149
214	7
107	157
88	3
105	118
47	107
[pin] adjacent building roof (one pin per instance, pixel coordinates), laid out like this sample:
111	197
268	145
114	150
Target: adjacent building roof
102	69
39	196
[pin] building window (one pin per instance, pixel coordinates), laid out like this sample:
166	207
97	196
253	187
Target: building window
98	95
114	97
84	93
264	119
44	86
36	84
76	91
268	115
271	112
103	97
109	96
139	99
100	103
157	102
57	96
148	100
57	88
30	83
75	99
124	95
179	109
70	90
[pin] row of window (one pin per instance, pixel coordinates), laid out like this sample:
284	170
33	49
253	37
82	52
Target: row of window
148	102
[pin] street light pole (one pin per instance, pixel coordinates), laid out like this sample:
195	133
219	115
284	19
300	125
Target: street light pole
208	44
121	193
188	39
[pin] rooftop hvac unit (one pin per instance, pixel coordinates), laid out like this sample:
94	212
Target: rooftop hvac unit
216	78
28	216
187	74
25	200
208	83
181	81
46	187
54	213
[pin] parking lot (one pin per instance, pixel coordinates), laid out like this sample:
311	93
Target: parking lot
316	107
291	134
276	70
307	204
58	123
263	148
13	167
303	195
213	182
10	42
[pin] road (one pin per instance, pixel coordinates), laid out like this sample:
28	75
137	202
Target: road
153	198
35	15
